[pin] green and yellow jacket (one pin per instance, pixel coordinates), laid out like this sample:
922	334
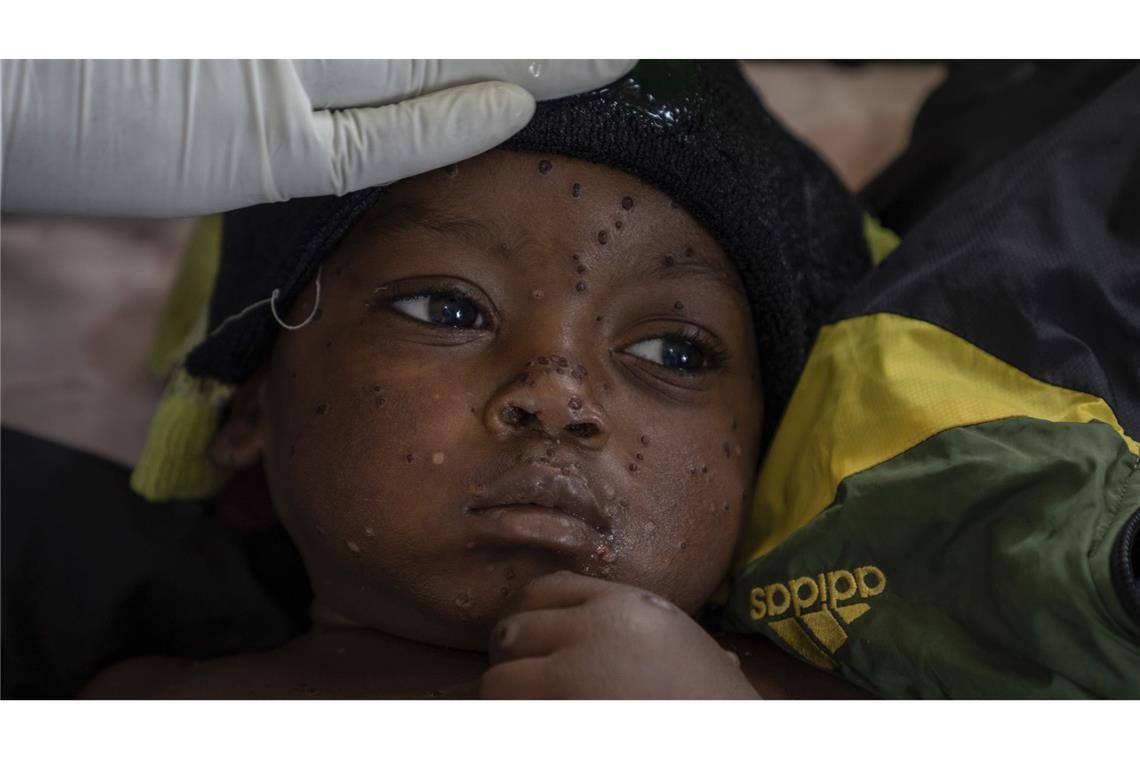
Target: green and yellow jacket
951	506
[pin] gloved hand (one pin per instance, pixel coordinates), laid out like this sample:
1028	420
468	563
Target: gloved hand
179	138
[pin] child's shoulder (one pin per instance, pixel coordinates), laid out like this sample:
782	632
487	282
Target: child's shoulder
141	677
340	665
237	677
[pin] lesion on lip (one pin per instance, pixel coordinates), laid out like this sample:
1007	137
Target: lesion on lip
566	516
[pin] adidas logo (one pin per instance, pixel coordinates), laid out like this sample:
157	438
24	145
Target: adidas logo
808	631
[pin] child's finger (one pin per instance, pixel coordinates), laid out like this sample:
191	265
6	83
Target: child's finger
516	679
531	634
561	589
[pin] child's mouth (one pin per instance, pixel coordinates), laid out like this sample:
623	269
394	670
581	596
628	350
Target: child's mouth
535	525
540	505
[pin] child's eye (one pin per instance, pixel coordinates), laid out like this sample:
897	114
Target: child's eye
443	309
680	354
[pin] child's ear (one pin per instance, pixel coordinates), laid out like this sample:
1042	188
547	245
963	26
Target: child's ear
240	440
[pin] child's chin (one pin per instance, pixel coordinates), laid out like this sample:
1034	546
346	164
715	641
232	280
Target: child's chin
468	633
464	623
468	636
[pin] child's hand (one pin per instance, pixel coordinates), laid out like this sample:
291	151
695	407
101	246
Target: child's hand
569	636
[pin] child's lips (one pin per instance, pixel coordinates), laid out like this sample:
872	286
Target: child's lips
527	524
540	504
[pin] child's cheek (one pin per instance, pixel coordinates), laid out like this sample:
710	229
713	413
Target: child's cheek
692	480
360	433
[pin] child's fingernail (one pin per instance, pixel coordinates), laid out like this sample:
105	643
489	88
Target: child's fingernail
506	635
733	658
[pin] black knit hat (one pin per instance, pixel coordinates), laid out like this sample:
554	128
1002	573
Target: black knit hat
694	130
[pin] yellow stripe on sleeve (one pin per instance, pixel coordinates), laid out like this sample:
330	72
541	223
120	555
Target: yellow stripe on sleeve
875	386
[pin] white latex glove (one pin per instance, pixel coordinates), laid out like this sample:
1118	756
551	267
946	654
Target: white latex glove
180	138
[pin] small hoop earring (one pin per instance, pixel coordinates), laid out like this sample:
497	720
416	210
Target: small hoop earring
316	305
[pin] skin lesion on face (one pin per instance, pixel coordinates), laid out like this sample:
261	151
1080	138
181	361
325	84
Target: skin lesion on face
497	390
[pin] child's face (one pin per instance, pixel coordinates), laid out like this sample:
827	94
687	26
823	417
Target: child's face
526	364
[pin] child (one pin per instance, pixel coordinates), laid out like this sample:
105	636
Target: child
518	405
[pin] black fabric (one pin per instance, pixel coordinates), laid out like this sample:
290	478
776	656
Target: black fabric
92	574
981	113
1037	259
694	130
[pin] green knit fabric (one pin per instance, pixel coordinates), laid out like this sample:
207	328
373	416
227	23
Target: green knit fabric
182	320
175	463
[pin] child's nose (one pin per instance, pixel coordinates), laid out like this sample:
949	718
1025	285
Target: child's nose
556	405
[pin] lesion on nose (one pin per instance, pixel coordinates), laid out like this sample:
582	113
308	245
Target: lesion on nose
517	417
583	429
513	415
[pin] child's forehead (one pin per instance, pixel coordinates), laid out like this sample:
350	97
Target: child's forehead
526	207
507	184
